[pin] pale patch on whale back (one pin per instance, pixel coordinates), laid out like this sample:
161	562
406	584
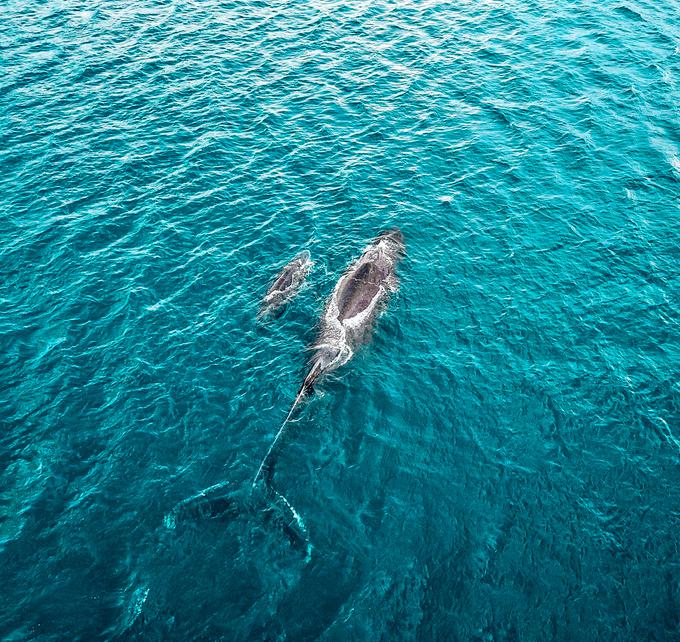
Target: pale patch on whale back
343	336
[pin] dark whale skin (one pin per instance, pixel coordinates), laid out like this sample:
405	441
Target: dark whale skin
286	285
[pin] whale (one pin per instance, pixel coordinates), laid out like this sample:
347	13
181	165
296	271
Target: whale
347	322
286	285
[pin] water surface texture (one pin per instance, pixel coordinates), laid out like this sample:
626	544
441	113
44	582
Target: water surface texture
500	462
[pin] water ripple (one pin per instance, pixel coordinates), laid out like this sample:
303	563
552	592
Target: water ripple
501	462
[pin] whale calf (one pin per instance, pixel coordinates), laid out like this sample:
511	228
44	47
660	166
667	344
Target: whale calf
348	318
287	284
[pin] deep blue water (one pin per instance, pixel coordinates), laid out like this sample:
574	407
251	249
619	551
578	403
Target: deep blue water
500	462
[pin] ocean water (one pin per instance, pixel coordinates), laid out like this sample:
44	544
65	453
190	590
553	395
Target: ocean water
500	462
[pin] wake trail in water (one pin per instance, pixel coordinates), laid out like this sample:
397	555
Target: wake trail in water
265	470
302	393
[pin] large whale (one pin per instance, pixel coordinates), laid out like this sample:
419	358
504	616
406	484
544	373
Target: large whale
287	284
348	320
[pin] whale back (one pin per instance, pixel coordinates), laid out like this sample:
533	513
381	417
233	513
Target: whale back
359	290
292	272
356	301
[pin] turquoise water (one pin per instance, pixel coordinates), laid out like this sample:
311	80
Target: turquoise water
500	462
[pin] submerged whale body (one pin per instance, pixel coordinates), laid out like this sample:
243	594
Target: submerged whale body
222	505
358	297
287	284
